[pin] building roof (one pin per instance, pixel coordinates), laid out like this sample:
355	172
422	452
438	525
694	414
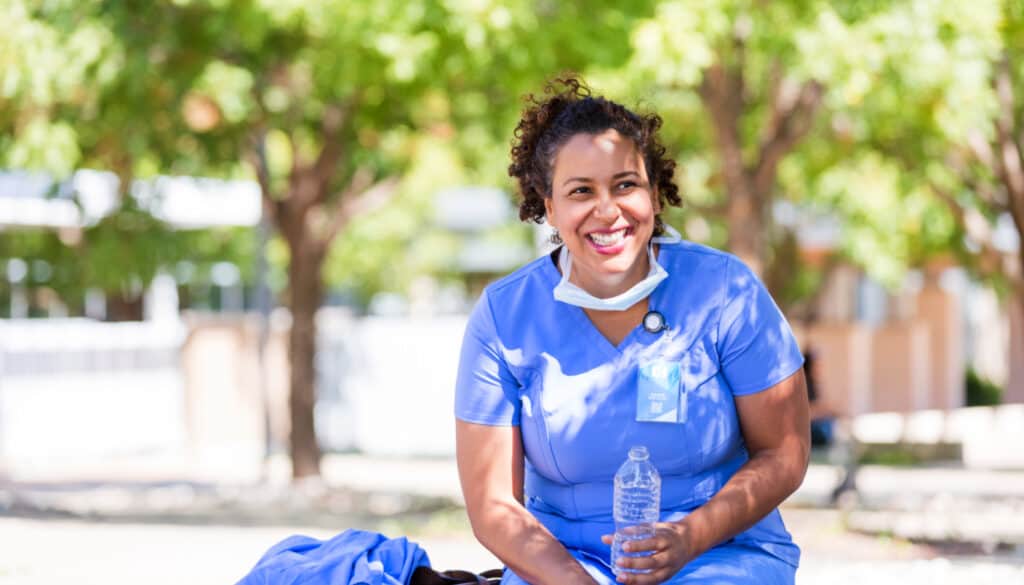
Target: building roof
32	199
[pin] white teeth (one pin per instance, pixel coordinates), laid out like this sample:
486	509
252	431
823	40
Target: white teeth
608	239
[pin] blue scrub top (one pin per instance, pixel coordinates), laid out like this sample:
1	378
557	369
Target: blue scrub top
531	361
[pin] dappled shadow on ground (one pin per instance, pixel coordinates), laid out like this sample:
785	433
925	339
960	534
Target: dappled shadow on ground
311	504
822	533
827	534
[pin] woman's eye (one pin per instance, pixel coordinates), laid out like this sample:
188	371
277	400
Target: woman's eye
626	185
580	191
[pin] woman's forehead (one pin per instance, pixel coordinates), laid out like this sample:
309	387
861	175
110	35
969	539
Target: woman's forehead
594	152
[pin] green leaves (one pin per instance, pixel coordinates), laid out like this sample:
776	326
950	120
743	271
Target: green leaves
431	91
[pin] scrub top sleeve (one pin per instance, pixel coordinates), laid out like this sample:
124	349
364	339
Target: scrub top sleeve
756	346
486	392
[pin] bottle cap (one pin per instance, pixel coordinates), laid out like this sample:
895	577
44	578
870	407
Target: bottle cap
638	453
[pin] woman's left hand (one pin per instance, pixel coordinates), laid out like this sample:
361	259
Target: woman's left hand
666	553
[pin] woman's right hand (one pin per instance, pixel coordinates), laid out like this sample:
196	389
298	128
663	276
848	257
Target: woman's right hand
490	462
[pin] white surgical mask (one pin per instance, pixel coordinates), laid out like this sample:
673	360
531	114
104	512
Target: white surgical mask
568	292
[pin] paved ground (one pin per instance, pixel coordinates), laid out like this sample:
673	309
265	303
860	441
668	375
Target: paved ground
124	524
38	552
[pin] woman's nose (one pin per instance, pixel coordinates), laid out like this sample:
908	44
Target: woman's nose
605	206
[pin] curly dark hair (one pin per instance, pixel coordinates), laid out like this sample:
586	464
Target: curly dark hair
568	109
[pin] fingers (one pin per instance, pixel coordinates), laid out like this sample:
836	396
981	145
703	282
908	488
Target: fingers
657	571
655	543
649	562
658	558
652	578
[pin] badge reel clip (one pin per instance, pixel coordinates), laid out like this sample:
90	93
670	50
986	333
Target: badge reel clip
654	322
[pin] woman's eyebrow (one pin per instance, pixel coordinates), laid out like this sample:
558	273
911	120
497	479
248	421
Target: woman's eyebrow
587	179
577	179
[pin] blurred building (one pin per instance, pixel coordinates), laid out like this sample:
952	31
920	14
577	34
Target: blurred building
204	389
29	199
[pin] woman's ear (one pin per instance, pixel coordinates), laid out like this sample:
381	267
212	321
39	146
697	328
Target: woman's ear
549	210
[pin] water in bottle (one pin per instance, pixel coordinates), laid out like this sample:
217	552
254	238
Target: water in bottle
637	503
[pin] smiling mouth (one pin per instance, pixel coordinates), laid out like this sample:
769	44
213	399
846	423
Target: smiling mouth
605	239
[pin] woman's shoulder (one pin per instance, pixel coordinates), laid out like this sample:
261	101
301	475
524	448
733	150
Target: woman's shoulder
531	275
504	303
684	253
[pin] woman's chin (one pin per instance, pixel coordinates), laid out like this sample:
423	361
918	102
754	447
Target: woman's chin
616	265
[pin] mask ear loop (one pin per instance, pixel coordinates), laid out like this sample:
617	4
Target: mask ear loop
671	236
565	263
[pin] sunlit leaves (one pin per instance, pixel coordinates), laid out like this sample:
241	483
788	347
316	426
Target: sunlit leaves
230	86
45	145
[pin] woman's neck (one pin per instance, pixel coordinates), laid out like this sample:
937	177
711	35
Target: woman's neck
607	286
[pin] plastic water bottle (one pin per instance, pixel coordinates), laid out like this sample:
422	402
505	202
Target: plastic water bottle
637	504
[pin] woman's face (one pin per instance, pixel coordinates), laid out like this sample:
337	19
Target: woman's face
603	207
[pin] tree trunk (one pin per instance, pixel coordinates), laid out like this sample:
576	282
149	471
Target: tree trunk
747	227
121	307
1015	379
750	187
306	293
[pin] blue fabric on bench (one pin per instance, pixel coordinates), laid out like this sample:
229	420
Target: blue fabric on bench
354	557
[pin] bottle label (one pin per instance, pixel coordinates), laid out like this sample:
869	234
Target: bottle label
657	397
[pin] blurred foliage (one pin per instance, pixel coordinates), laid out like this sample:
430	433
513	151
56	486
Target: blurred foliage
981	391
120	253
181	87
891	455
905	83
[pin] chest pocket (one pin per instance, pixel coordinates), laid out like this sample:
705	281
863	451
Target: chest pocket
696	366
711	424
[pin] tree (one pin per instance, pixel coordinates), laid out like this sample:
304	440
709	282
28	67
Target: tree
978	167
729	74
324	101
77	94
834	106
929	141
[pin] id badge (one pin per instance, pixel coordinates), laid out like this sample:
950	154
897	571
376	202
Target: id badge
657	396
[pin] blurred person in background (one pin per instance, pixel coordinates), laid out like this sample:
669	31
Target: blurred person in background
547	400
822	415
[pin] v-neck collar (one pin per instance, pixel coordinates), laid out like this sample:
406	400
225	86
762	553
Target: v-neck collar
580	318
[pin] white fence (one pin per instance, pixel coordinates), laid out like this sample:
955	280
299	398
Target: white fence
387	384
74	388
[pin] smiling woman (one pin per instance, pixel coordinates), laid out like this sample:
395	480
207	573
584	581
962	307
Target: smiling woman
547	398
605	213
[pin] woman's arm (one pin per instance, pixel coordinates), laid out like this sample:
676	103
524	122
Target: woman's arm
775	428
490	462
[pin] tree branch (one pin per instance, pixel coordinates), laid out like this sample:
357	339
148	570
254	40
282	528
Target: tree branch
957	160
1010	161
791	119
715	209
981	149
977	229
257	155
718	93
311	184
361	196
335	119
777	82
988	194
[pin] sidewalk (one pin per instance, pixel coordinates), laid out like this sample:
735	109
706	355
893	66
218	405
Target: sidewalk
137	524
920	503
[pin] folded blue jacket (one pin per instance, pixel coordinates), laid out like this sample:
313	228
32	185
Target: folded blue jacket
354	557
